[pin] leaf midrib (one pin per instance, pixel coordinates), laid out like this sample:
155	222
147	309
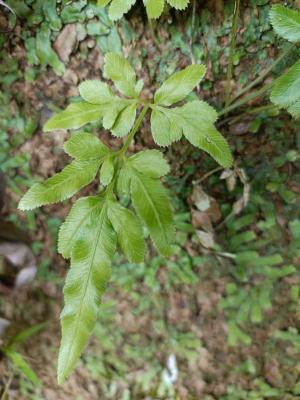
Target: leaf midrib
69	178
100	227
80	222
152	204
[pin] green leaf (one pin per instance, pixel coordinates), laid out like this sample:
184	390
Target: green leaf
113	118
107	171
129	232
118	114
85	147
74	116
96	92
118	69
70	229
150	163
154	8
124	121
196	121
295	109
85	284
198	128
102	3
286	88
152	205
286	22
179	85
178	4
60	186
119	7
165	125
123	182
20	363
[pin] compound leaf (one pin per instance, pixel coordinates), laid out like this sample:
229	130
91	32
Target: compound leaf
96	92
118	69
196	121
124	121
70	229
118	114
154	8
165	125
179	85
85	146
74	116
150	163
86	281
197	125
107	171
285	90
129	231
61	186
286	22
152	205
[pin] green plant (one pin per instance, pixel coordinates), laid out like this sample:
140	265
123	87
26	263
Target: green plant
18	361
285	92
97	224
154	8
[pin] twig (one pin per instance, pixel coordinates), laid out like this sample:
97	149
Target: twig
208	174
246	99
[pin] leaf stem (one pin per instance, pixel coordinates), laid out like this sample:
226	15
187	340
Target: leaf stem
231	51
254	110
262	76
246	99
134	130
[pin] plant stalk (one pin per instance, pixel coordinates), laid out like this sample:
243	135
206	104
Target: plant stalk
134	129
231	51
254	110
246	99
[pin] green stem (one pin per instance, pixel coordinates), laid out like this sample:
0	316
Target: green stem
231	51
254	110
246	99
262	76
134	130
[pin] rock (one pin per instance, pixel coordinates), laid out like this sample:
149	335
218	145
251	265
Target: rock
66	42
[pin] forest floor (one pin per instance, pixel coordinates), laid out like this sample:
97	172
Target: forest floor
222	315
